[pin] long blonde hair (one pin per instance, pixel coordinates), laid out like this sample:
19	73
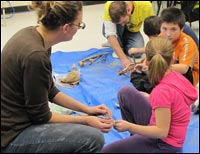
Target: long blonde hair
159	52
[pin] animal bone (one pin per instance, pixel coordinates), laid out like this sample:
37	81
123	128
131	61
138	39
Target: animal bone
92	58
71	78
125	69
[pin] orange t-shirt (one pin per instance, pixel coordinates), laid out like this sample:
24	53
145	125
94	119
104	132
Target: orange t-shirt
186	52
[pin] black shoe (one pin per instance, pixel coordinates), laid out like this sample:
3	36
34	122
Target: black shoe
195	109
138	55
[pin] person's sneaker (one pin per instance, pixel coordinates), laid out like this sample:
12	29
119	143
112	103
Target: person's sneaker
138	55
195	109
117	104
106	44
114	55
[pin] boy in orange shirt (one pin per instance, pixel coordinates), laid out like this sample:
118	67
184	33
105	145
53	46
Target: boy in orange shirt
185	49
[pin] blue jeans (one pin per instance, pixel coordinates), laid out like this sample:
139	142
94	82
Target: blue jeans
128	39
57	138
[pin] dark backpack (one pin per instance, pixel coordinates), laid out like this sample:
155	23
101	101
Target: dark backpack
191	10
141	82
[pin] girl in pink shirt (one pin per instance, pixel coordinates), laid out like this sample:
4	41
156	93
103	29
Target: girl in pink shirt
157	122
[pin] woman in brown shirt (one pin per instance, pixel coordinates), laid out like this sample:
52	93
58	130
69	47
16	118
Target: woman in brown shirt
27	124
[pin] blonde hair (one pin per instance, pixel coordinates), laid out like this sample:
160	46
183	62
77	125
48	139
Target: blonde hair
159	52
53	14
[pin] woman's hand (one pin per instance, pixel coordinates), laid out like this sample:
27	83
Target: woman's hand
100	110
103	124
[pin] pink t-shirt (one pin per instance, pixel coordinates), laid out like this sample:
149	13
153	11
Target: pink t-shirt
175	92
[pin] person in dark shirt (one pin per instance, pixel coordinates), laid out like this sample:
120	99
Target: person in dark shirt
151	28
27	124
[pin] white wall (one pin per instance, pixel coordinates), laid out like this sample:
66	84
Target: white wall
14	3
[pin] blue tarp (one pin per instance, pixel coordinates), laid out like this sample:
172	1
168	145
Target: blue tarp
100	82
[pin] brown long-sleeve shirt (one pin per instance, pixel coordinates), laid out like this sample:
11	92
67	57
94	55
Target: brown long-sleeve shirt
26	83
